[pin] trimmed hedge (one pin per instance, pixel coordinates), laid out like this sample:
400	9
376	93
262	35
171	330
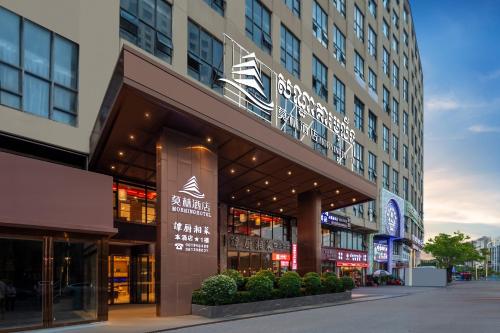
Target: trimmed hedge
267	273
289	284
217	290
312	283
348	283
236	276
260	287
330	283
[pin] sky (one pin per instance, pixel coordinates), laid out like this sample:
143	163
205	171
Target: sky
459	43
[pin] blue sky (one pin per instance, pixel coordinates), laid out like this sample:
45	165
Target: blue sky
459	44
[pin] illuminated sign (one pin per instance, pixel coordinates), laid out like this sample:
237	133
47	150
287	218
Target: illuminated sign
392	207
255	87
284	263
256	244
294	256
281	256
380	252
350	264
351	258
191	237
335	220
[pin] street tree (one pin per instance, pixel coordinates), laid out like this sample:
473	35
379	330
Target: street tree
451	250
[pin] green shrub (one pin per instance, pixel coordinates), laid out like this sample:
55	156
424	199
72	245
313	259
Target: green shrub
276	294
260	287
236	276
218	289
266	273
198	297
330	283
340	286
312	283
289	284
348	282
242	297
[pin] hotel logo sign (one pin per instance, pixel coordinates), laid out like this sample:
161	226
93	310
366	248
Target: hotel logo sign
273	97
190	204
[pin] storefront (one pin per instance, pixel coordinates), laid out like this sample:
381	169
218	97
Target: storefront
345	262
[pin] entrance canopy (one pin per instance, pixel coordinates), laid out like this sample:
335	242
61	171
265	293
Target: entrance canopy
259	166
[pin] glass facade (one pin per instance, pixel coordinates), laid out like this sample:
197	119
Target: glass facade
342	239
134	203
253	223
258	24
38	70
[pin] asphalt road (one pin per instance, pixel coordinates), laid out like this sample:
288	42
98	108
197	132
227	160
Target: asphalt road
462	307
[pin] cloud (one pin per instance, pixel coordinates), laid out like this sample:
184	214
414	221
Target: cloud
484	129
474	230
462	198
441	103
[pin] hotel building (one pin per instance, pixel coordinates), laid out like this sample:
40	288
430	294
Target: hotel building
148	144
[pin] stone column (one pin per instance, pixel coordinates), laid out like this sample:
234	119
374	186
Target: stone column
223	213
186	246
309	232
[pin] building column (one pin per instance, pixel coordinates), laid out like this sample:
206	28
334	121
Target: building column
309	232
186	246
222	246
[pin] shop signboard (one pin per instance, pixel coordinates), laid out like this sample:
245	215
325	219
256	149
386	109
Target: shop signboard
294	256
380	251
257	244
281	256
273	97
392	209
351	258
328	253
335	220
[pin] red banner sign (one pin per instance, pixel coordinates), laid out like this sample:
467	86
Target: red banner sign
281	256
294	256
352	258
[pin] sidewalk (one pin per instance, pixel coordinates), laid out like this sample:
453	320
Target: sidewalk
142	318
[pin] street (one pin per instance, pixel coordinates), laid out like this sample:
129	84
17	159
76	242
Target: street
461	307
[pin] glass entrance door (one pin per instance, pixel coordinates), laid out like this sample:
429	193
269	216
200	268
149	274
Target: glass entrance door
143	285
119	279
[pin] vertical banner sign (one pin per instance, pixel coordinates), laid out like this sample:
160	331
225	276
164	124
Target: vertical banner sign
294	256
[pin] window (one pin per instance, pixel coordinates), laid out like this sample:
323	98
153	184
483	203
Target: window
385	99
405	15
385	62
359	114
45	81
385	175
395	19
205	60
395	44
405	156
405	188
372	7
395	75
148	24
395	181
320	24
372	42
372	210
372	80
372	167
359	66
405	122
258	24
340	6
385	29
405	37
385	139
405	89
319	79
395	147
217	5
294	131
372	126
320	144
294	6
339	45
359	167
405	60
359	19
341	145
386	4
395	111
290	52
134	203
339	95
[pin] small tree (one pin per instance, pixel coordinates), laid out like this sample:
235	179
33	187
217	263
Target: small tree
451	250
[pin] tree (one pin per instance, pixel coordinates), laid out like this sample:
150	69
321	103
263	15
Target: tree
451	250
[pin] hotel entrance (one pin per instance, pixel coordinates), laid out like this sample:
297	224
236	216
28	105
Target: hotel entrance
131	277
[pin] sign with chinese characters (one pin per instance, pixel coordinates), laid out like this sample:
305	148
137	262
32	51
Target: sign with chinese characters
294	256
380	251
189	200
193	203
273	97
328	253
335	220
393	208
281	256
257	244
352	258
417	241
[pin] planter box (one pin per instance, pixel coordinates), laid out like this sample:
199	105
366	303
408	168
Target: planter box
219	311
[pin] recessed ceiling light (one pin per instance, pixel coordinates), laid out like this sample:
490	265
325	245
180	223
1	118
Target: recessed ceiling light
233	197
337	191
258	203
248	190
293	190
353	199
275	198
232	171
315	183
147	115
209	139
281	210
254	158
131	137
113	167
120	153
289	172
266	182
332	204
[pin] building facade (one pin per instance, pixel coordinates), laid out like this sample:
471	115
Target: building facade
148	144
